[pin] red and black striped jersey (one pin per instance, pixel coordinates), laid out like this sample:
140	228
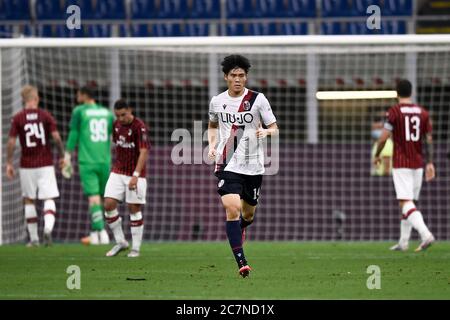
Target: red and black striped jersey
33	127
409	124
129	139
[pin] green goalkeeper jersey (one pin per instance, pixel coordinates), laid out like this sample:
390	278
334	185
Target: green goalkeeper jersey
91	129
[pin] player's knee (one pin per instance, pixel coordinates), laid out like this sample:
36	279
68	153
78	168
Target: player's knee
28	201
110	204
248	215
233	211
134	208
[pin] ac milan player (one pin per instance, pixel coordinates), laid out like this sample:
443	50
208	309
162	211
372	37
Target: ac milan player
239	113
127	179
34	126
409	124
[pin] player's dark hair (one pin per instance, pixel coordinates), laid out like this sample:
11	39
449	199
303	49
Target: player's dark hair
88	91
404	88
121	104
235	61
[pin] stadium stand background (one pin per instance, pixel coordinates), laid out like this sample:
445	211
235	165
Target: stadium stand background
156	18
179	189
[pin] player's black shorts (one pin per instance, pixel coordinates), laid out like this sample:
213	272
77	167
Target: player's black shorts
246	186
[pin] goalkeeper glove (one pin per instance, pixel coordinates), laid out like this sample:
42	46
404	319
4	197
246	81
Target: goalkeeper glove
67	169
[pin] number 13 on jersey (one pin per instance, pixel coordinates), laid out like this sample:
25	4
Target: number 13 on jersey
412	128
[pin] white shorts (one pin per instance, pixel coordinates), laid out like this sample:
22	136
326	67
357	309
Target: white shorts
117	188
39	180
407	183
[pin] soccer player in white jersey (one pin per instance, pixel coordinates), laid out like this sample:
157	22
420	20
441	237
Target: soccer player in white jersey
239	114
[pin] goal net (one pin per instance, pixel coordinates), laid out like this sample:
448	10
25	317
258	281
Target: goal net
320	183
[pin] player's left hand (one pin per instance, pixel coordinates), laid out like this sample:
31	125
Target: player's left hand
430	172
132	185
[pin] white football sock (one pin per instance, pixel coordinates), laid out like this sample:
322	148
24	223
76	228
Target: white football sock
405	232
115	223
93	237
416	219
31	218
49	216
103	237
137	230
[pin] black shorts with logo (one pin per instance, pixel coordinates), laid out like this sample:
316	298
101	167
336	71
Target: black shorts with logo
246	186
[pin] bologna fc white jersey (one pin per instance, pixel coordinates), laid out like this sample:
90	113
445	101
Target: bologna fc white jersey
239	150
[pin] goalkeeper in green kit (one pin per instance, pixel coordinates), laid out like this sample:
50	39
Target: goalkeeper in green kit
91	129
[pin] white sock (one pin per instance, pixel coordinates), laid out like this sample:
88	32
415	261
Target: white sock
31	218
405	232
414	217
417	222
49	216
93	237
103	236
137	229
115	223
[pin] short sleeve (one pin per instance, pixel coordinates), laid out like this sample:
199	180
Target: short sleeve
390	120
266	111
14	130
213	117
142	137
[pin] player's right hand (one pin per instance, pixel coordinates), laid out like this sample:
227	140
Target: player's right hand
212	153
430	172
10	172
377	161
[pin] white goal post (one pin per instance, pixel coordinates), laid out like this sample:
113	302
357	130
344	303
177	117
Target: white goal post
324	189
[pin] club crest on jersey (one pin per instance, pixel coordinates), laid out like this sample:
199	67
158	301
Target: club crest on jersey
224	106
130	132
247	106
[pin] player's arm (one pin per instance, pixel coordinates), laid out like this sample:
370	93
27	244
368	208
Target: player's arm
272	130
385	135
10	146
430	171
60	145
143	155
212	138
268	118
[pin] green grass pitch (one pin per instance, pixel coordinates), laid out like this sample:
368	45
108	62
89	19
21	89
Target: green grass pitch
207	270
